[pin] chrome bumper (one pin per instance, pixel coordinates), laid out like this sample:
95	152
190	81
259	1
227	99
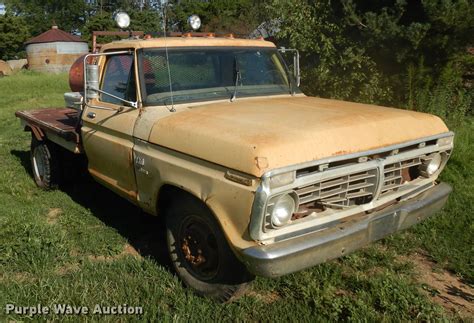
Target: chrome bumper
295	254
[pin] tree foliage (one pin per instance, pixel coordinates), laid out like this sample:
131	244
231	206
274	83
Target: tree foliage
99	22
74	15
148	21
361	50
68	15
13	33
222	16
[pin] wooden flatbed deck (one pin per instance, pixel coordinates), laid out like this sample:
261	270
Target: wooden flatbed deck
61	121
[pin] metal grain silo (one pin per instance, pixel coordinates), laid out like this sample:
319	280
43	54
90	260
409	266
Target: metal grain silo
54	51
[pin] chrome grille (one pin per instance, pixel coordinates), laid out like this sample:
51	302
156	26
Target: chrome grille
328	190
341	192
396	174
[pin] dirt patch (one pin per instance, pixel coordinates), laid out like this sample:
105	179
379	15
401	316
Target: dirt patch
53	215
265	297
67	268
18	277
128	250
443	287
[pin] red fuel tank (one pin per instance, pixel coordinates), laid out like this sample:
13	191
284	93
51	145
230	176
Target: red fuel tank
76	74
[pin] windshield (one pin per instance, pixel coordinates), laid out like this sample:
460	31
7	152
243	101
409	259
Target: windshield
211	73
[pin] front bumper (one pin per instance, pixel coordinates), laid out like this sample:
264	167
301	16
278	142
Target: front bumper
295	254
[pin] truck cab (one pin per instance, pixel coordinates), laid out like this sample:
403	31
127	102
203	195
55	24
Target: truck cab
252	176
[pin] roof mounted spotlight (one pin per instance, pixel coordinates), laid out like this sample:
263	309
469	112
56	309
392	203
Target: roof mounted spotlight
195	22
122	19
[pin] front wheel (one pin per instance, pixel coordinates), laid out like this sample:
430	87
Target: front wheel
45	164
200	253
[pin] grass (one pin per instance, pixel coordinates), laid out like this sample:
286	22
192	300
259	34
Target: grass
74	246
449	237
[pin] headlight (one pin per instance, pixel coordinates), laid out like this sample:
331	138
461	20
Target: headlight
431	165
284	208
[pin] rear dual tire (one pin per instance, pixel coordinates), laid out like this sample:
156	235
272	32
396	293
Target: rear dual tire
45	164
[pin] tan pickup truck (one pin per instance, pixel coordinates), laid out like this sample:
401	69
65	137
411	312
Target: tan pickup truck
252	176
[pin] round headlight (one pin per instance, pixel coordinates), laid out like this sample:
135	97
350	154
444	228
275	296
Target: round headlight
432	165
194	21
283	210
122	19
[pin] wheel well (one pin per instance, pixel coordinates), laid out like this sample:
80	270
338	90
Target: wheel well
168	193
35	131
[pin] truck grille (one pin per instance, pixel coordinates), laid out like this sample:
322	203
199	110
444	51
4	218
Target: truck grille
335	189
341	192
396	174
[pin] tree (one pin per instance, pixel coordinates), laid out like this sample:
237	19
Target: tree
126	5
68	15
146	20
13	33
361	50
99	22
333	64
226	16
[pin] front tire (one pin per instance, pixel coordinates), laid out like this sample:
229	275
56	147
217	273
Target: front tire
200	253
44	164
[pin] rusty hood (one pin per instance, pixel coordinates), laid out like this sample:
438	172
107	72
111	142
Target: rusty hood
258	135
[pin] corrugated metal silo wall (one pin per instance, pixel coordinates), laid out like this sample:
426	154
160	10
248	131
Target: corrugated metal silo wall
54	57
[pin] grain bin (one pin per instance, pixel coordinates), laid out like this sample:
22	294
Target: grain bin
54	51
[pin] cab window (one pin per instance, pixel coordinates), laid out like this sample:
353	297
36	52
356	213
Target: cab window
118	79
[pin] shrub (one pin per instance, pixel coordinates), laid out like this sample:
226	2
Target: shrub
445	95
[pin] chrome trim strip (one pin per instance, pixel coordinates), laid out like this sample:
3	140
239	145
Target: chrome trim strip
258	209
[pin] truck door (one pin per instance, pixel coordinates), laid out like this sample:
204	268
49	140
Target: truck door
107	130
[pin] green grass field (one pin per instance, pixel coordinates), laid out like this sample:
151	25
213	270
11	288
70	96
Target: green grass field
79	245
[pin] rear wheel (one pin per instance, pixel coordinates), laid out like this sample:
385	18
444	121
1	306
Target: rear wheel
200	253
44	164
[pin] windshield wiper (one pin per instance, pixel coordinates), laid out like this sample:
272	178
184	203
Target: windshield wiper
238	78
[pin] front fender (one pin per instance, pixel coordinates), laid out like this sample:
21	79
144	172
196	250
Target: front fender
230	202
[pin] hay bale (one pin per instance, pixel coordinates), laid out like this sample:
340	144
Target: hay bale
18	64
5	69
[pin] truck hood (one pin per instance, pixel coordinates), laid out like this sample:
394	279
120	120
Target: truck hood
258	135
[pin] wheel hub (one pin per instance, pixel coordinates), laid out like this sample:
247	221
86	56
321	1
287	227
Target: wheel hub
199	248
192	251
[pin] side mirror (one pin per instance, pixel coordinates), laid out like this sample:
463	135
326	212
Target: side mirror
296	63
92	78
296	66
92	81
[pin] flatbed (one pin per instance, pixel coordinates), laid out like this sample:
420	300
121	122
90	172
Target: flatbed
60	125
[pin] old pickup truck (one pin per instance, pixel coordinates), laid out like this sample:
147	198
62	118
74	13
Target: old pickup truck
252	176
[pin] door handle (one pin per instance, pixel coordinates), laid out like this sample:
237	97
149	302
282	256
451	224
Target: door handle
91	115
